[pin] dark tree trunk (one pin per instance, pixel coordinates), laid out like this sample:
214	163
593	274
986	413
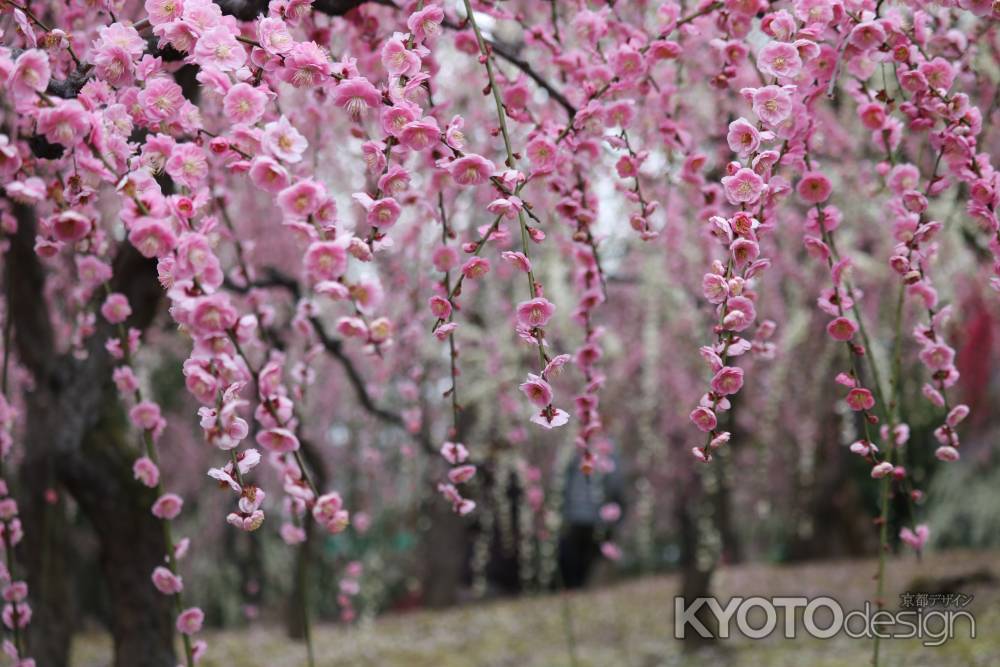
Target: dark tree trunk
80	441
705	506
696	567
76	438
445	546
444	552
300	599
305	558
132	542
721	491
831	520
47	566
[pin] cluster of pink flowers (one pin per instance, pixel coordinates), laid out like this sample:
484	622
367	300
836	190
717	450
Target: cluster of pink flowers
147	418
911	258
16	613
456	454
350	586
755	189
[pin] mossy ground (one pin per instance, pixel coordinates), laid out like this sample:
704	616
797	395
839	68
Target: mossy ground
625	625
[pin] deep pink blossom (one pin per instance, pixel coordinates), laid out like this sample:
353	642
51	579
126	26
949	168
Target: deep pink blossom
814	187
70	227
860	398
841	328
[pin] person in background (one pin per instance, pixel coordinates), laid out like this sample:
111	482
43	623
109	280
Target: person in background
591	506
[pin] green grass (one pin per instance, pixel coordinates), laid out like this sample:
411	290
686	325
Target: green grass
624	625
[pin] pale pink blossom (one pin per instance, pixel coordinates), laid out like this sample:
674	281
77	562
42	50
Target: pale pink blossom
163	11
356	95
728	380
244	103
30	74
115	308
267	174
168	506
882	469
916	538
190	620
743	138
454	453
282	141
461	474
146	472
471	170
425	24
306	63
273	35
325	260
166	581
67	123
947	454
301	199
188	165
550	418
772	104
743	187
278	440
779	59
476	267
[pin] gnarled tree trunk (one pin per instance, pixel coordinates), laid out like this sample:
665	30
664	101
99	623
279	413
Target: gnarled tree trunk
76	438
